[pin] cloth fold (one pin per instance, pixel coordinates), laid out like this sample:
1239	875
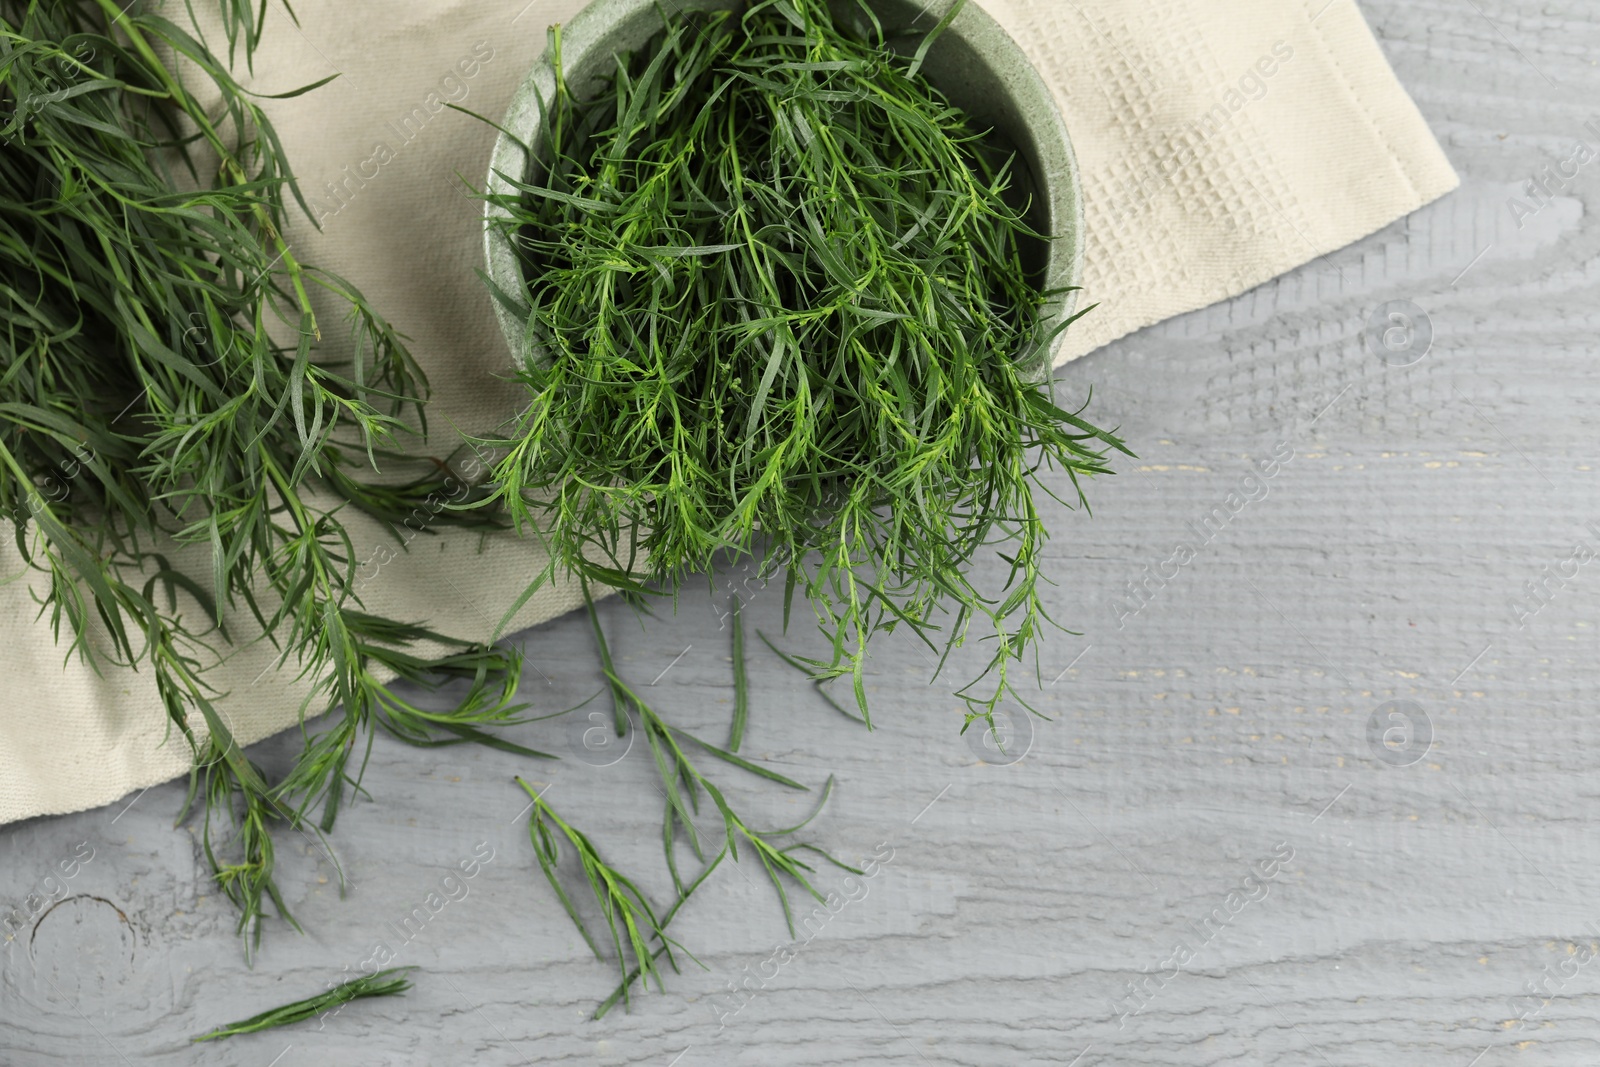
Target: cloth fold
1221	143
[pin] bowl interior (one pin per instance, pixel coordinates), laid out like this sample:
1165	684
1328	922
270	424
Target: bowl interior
975	63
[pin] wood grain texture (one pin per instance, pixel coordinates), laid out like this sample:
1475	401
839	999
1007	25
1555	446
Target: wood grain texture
1219	728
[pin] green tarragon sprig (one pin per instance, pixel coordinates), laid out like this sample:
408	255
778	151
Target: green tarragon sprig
777	303
165	381
388	983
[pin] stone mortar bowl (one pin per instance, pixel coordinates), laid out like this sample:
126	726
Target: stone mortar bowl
975	63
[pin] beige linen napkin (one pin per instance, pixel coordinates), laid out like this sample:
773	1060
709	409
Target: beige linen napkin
1221	142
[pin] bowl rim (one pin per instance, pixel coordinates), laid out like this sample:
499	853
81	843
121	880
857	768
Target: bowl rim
589	28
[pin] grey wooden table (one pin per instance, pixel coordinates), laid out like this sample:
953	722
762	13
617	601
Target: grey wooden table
1320	795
